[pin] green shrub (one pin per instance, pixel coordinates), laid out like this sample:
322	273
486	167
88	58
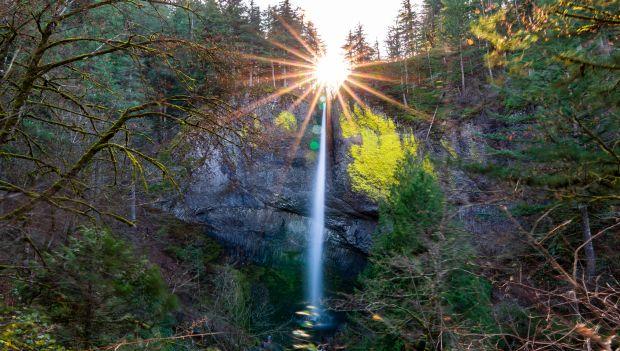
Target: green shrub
469	296
413	209
419	269
98	290
26	330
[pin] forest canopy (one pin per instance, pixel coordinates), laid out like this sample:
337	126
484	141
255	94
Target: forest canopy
158	157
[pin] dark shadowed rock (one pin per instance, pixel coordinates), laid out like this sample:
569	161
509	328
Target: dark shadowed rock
261	204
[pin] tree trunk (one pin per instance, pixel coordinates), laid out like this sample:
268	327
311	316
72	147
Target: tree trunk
462	69
273	74
3	194
430	68
587	238
133	210
191	25
489	62
406	81
164	134
285	80
403	90
77	167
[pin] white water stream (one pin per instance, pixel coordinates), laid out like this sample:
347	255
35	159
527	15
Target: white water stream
317	228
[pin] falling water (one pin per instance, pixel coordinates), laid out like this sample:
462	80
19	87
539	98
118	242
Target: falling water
315	247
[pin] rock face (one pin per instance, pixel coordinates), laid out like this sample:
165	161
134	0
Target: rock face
259	203
474	198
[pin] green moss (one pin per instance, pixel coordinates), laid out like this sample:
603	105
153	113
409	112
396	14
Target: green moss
377	156
287	121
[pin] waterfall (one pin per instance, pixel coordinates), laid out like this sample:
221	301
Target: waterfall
317	227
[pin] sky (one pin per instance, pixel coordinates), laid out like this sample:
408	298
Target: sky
334	18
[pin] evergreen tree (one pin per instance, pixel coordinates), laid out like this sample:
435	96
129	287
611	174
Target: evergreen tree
408	28
377	50
563	71
284	23
312	39
456	17
393	44
348	46
430	17
253	41
363	51
282	16
98	290
356	46
214	21
234	12
395	52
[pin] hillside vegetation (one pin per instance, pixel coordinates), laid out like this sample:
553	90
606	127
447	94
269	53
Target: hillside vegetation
492	152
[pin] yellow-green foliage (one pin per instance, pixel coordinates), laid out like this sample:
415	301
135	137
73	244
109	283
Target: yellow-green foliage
378	154
448	147
25	330
287	121
488	28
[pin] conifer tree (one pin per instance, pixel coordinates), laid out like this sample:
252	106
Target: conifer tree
311	36
356	46
281	21
430	14
393	44
395	53
455	19
252	38
564	73
348	46
408	27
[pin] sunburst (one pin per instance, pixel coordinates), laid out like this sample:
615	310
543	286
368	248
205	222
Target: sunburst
314	74
330	73
331	70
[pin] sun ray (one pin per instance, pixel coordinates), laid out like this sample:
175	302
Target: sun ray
373	63
297	37
387	98
291	75
272	96
344	106
277	60
354	95
301	98
295	146
377	77
355	58
292	51
305	123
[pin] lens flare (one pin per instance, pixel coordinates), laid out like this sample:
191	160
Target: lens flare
331	71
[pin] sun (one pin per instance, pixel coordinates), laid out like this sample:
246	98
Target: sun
319	78
331	71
